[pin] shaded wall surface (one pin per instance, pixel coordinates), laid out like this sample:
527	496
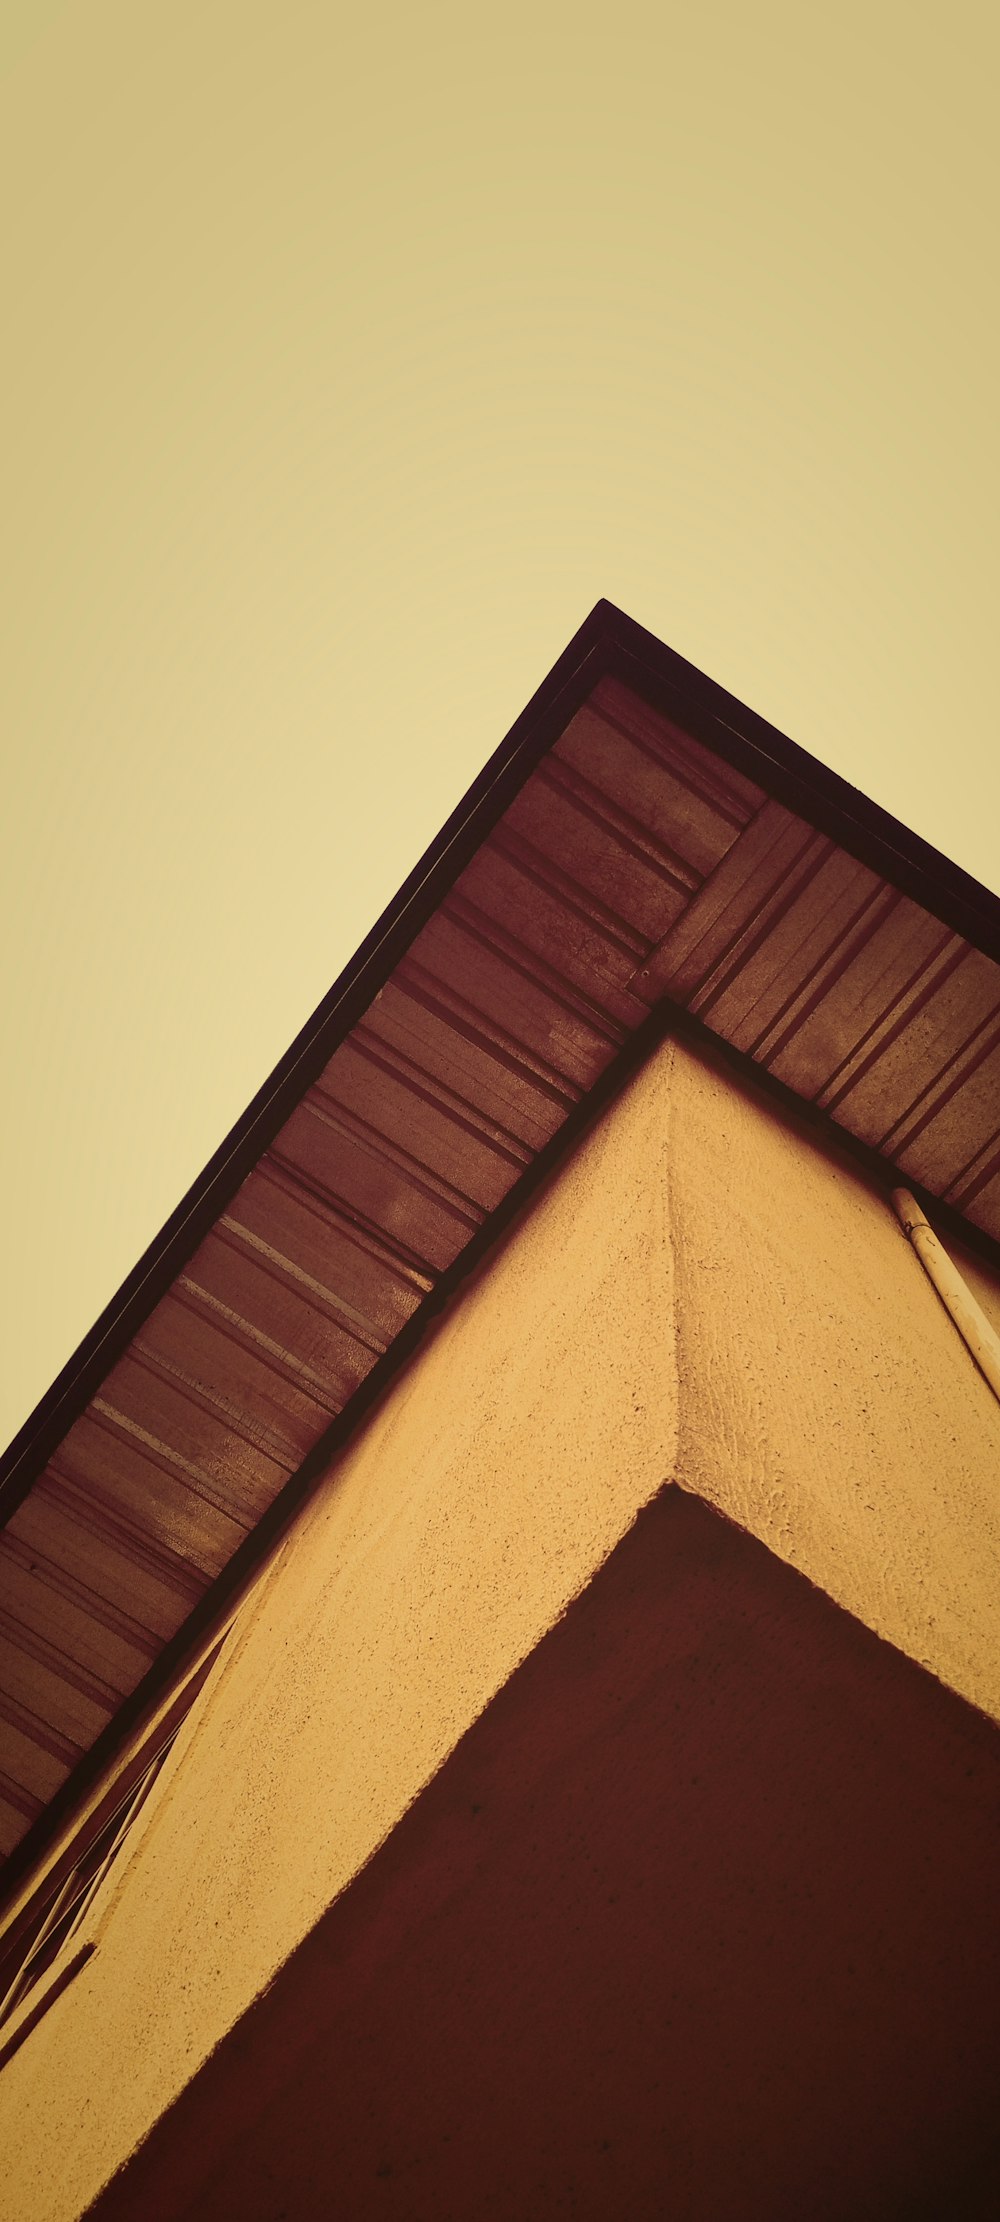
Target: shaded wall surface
702	1296
698	1920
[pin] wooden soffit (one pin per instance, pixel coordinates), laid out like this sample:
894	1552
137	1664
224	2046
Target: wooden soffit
639	842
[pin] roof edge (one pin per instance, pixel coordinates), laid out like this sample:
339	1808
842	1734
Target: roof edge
799	780
608	643
568	683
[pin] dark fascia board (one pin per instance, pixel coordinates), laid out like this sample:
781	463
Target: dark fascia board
608	644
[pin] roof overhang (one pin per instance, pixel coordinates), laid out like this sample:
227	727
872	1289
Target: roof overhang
641	853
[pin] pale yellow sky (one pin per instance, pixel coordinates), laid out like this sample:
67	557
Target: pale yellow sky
350	355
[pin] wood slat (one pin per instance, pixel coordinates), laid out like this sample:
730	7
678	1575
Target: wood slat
232	1378
434	1129
552	1092
71	1531
731	792
443	1040
150	1414
147	1498
32	1772
65	1623
601	848
37	1689
268	1308
376	1185
17	1812
504	985
597	955
918	1050
691	820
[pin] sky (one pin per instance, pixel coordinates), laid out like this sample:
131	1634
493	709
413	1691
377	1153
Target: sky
350	355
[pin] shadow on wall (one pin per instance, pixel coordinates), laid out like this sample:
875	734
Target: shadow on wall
698	1921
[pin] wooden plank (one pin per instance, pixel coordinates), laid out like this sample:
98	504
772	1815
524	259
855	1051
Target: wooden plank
925	1031
963	1128
15	1821
731	790
39	1690
687	817
152	1415
350	1265
206	1360
968	1074
404	1039
728	909
978	1172
844	906
880	965
984	1207
73	1593
570	1040
63	1624
595	843
371	1181
786	957
29	1766
260	1298
433	1129
555	926
55	1656
105	1557
492	1065
152	1500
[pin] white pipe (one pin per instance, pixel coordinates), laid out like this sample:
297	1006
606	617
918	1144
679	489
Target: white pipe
969	1318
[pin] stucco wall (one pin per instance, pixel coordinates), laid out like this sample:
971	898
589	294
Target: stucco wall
827	1402
657	1944
496	1477
701	1295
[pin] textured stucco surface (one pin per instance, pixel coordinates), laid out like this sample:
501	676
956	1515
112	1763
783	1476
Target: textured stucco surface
827	1402
496	1477
702	1294
696	1924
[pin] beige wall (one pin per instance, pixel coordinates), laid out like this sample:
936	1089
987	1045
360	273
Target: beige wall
827	1402
701	1295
